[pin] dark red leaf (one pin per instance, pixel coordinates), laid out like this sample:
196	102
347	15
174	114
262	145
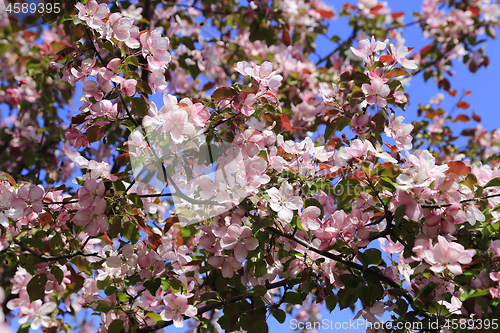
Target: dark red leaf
386	58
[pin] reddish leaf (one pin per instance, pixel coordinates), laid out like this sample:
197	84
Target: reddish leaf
223	93
386	58
486	61
170	222
5	176
95	133
142	225
459	168
179	239
396	15
45	219
425	49
444	84
80	118
463	105
123	156
473	67
476	117
348	6
397	72
285	123
452	92
474	10
462	118
286	37
154	241
467	93
324	13
323	166
374	10
208	86
358	94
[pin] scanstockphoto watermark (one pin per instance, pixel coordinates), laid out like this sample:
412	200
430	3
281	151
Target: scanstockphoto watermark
353	324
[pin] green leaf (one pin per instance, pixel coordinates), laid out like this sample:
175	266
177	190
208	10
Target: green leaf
260	290
493	182
36	287
156	317
139	107
258	326
152	285
398	215
4	47
471	293
116	326
331	301
280	315
292	298
110	290
58	273
374	255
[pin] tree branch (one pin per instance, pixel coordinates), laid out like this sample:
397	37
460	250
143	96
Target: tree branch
215	304
51	258
340	259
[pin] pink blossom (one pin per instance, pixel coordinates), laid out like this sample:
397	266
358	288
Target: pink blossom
284	202
454	307
104	108
366	47
495	247
76	138
126	86
14	95
228	264
391	247
309	219
177	308
400	132
92	13
246	102
118	27
87	68
438	99
400	97
155	49
178	125
241	240
91	89
39	314
400	54
448	255
199	114
94	218
359	124
29	200
91	193
157	80
375	92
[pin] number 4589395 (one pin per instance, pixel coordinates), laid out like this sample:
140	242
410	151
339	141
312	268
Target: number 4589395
33	8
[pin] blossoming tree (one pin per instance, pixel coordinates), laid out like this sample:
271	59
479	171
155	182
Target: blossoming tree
212	173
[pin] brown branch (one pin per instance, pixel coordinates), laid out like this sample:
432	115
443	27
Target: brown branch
51	258
340	259
463	201
344	43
